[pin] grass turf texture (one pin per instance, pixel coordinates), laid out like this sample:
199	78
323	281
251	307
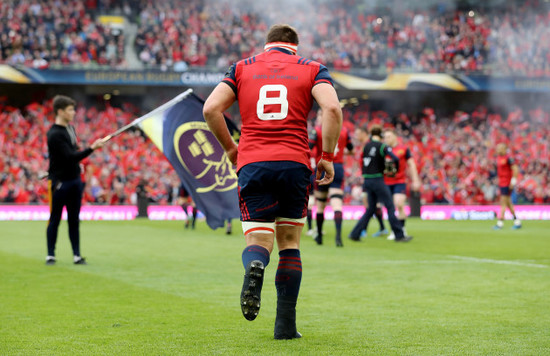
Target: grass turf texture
153	288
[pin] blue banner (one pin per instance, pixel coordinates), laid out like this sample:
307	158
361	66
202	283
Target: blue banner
351	80
26	75
200	161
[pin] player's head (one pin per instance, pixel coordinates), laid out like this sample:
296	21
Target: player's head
501	149
282	33
376	131
390	138
63	107
361	134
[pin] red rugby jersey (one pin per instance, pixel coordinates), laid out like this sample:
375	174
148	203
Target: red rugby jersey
344	141
274	94
403	153
504	170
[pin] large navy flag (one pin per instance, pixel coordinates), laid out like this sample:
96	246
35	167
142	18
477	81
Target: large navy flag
181	133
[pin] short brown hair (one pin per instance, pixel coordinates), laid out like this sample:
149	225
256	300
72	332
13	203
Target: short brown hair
282	33
376	130
61	102
363	128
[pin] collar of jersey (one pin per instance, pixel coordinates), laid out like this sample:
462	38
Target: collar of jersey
280	50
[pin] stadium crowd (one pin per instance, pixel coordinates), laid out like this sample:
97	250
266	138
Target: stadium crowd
454	155
111	175
512	38
41	34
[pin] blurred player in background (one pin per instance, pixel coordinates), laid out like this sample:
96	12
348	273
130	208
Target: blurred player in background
361	137
335	191
185	201
396	182
275	90
507	172
311	200
228	227
374	164
65	184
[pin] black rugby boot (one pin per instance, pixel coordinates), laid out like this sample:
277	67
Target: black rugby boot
252	289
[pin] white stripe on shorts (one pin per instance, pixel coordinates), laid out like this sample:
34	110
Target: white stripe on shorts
290	222
258	227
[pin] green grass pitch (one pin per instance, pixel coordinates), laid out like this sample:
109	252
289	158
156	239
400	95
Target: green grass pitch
153	288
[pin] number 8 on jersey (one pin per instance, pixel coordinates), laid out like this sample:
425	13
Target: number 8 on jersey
280	100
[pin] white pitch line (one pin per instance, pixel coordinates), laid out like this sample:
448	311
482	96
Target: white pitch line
499	262
410	262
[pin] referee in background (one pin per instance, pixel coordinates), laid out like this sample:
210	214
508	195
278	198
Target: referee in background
373	167
64	183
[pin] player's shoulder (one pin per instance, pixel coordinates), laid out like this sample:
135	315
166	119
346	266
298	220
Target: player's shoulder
249	60
307	62
258	57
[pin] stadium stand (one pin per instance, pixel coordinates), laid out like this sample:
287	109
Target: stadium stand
111	176
509	38
44	34
454	154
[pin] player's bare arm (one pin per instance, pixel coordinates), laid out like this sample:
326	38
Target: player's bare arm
514	180
413	172
221	99
331	120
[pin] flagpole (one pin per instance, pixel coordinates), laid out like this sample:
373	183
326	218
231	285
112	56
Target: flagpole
161	108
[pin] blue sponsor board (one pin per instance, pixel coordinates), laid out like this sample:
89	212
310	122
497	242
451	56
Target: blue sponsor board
352	80
26	75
